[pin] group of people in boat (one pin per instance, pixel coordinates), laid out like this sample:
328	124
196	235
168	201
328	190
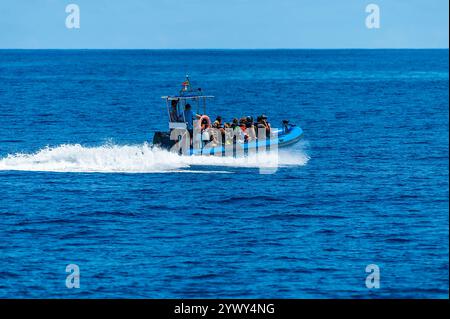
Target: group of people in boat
240	130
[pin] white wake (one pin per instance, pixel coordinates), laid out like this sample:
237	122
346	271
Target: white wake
135	159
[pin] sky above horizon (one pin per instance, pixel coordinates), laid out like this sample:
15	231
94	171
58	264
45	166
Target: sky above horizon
234	24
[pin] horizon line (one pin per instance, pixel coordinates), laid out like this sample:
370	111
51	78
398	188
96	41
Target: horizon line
236	49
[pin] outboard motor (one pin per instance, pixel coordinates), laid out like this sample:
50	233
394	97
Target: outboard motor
162	139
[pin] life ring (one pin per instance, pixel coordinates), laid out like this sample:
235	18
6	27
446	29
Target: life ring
200	121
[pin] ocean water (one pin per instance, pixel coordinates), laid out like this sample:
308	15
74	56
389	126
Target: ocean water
368	184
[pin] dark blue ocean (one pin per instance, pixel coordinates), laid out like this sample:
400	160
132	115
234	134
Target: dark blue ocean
368	184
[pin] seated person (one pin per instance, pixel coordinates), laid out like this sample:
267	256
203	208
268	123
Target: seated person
228	133
250	128
235	123
218	126
235	130
263	124
243	134
218	122
213	141
204	125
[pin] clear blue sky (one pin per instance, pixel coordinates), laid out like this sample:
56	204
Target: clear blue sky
224	24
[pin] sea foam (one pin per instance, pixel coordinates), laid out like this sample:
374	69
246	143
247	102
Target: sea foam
135	159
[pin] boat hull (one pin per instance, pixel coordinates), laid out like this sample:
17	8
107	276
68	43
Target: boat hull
284	138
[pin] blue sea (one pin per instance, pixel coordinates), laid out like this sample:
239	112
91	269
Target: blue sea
81	184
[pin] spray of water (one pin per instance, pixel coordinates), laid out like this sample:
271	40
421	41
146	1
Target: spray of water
135	159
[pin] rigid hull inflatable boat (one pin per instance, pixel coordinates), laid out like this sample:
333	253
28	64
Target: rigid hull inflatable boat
193	133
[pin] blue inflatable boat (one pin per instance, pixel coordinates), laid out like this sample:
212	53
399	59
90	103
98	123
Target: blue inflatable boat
193	134
281	138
